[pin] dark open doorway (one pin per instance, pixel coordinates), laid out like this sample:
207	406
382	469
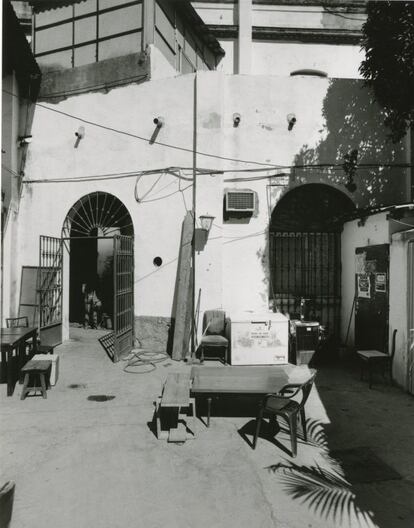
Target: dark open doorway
90	227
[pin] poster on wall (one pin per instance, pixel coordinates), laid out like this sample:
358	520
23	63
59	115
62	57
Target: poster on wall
381	282
364	286
360	262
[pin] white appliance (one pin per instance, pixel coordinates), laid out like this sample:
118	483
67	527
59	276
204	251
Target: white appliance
259	338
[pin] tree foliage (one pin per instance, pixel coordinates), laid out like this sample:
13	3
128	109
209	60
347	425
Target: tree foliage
388	41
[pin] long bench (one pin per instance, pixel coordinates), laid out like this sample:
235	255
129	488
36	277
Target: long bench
173	408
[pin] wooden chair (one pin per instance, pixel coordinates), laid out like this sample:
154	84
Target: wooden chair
372	360
23	322
282	404
215	327
17	322
6	503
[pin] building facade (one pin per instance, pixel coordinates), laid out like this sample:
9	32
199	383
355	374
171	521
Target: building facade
129	141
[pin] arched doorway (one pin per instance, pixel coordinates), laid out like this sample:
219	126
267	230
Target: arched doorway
305	253
90	227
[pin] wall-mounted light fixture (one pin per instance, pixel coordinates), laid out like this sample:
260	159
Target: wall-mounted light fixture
206	221
236	120
80	134
24	140
291	119
159	121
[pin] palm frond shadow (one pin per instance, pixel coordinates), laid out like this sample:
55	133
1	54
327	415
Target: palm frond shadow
316	434
325	492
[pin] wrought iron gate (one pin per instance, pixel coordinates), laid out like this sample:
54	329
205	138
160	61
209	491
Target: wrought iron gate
305	268
123	295
50	289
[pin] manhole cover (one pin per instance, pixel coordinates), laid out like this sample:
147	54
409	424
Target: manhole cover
360	464
100	397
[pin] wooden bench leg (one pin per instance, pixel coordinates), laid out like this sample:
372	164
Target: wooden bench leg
43	384
25	389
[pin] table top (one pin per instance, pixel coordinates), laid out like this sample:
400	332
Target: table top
11	336
372	354
246	379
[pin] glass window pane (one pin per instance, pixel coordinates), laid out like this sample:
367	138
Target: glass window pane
54	38
85	55
56	61
104	4
165	49
85	29
189	48
120	46
119	21
87	6
53	15
164	26
186	66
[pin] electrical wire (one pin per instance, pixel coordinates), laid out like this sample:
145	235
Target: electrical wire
140	359
403	223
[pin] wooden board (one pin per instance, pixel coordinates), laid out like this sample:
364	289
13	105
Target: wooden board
183	306
176	390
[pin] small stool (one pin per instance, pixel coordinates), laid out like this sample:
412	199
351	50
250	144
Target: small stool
39	371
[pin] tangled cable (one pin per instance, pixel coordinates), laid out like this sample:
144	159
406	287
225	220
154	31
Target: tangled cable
146	359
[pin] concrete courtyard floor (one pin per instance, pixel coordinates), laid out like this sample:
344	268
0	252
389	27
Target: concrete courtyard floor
82	463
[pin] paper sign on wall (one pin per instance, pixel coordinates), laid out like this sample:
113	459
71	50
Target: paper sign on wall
381	282
364	286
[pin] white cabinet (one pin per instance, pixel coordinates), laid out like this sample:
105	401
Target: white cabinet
259	338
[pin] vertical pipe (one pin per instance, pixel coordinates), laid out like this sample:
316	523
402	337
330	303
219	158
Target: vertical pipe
193	278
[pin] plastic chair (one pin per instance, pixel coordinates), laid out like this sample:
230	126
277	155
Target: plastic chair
215	328
282	404
17	322
372	360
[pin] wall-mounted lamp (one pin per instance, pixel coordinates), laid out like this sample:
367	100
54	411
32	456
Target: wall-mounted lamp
291	119
236	119
24	140
80	134
159	121
206	221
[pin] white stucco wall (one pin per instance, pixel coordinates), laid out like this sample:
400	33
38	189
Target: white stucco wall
232	269
282	58
401	291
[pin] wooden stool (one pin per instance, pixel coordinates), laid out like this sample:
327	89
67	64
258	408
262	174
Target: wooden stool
39	371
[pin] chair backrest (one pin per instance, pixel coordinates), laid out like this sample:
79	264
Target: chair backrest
305	388
17	322
214	321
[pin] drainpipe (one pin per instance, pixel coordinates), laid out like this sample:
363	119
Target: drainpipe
244	52
194	215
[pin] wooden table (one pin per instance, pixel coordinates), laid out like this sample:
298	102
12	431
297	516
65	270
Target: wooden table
15	340
244	380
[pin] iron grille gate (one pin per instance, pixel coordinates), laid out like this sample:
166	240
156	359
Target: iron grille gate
123	295
50	289
307	266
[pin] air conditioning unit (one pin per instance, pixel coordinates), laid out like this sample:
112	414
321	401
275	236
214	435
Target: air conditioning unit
242	201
